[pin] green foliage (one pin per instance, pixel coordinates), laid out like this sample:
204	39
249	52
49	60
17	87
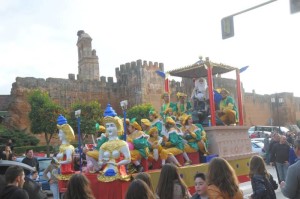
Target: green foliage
91	113
139	112
19	138
43	114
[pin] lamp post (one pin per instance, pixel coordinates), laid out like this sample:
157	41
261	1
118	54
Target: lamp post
77	115
277	101
124	104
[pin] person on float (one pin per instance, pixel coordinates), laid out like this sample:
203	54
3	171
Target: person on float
170	113
139	140
66	150
195	136
114	154
183	107
146	125
92	156
156	122
157	150
228	112
200	94
173	141
167	104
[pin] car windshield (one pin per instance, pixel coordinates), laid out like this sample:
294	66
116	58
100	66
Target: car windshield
44	164
260	144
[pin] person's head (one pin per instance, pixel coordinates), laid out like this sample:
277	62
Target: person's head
133	126
29	153
145	123
276	136
224	93
297	148
283	139
65	132
146	178
138	189
166	97
168	175
169	123
222	175
257	166
168	112
200	184
15	175
78	188
186	120
34	175
153	132
7	149
153	115
181	97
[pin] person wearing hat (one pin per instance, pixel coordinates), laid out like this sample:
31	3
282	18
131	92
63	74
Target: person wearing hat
194	135
183	107
140	142
155	142
146	125
66	150
173	141
167	104
170	113
228	112
155	121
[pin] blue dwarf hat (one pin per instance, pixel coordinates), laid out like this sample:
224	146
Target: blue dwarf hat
109	111
61	120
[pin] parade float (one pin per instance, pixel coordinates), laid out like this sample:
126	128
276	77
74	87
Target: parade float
229	142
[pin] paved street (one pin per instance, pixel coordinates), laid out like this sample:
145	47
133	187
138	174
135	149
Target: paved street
247	189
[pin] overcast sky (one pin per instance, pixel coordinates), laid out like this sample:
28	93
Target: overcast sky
38	38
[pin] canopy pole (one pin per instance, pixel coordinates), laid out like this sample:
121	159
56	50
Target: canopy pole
211	93
239	97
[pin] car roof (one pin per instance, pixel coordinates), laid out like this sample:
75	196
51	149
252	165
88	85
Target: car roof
8	163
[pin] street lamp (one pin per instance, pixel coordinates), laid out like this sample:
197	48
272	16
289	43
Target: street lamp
277	101
77	115
124	105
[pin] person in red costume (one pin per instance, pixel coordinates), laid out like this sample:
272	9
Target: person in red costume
66	150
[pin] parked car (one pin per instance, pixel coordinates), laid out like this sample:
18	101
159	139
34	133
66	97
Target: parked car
30	186
258	147
43	164
260	131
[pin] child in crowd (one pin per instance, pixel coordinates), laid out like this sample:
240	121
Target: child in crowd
262	182
200	186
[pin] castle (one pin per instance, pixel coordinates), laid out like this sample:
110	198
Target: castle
136	82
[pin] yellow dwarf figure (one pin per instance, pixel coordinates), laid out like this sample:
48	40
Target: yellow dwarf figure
183	107
194	135
146	125
170	113
139	140
156	122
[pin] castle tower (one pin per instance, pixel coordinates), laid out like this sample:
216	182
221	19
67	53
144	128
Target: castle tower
88	65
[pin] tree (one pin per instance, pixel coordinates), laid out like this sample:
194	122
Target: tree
43	115
91	114
139	112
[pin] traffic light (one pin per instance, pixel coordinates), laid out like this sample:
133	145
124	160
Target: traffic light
294	6
227	27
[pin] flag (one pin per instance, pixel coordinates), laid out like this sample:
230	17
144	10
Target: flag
163	75
243	69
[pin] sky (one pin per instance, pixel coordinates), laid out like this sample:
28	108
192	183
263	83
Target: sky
38	38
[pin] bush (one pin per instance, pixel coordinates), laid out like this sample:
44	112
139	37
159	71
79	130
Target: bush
139	112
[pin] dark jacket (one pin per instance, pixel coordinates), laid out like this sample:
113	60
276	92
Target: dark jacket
13	192
263	188
280	153
31	162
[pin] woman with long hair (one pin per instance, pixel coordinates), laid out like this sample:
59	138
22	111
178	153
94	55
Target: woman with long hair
263	184
170	184
79	188
138	189
146	178
222	180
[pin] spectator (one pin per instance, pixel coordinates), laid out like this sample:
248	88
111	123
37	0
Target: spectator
267	148
6	154
222	180
34	176
200	186
10	144
146	178
79	188
138	189
280	157
263	184
15	179
52	169
31	161
291	187
170	184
